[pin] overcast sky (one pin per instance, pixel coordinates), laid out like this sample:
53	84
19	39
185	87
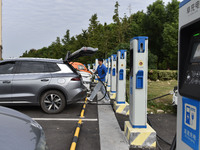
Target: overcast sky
36	23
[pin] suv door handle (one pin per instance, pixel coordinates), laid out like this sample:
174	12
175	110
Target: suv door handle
45	80
7	81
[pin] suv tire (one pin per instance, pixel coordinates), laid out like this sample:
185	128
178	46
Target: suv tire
52	102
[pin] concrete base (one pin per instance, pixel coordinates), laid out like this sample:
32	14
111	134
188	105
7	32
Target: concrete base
108	88
140	137
121	108
112	95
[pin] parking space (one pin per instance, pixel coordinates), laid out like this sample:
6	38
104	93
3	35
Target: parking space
59	128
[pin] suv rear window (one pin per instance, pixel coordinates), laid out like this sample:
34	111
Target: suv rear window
53	67
32	67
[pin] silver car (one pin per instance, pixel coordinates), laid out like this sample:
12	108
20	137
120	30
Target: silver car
20	132
87	79
50	83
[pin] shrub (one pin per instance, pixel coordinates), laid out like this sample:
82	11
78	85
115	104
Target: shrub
159	74
162	75
153	75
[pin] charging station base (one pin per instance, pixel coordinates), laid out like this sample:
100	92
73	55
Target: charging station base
121	108
140	137
108	88
95	80
112	95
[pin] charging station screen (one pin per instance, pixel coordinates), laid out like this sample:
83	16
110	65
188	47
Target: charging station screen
196	52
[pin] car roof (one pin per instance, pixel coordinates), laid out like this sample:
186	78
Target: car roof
34	59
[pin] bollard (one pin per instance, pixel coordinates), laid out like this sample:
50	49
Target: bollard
120	105
138	132
106	78
96	65
109	71
113	76
88	66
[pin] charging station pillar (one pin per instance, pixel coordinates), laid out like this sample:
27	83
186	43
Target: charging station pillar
106	78
188	110
109	72
137	131
93	66
88	66
96	66
120	105
113	76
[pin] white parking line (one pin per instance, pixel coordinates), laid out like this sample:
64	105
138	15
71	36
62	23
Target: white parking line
63	119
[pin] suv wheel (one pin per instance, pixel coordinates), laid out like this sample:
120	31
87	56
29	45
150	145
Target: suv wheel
52	102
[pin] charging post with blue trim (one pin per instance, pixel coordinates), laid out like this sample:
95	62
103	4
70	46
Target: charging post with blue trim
113	76
93	66
106	64
188	110
137	131
109	72
120	105
96	66
88	66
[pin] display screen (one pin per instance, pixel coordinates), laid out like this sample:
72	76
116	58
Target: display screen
195	52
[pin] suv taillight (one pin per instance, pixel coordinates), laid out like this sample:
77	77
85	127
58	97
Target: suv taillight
76	79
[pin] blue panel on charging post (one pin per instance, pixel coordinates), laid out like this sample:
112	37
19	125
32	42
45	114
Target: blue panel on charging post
121	74
113	73
190	122
114	57
109	70
122	53
139	79
141	41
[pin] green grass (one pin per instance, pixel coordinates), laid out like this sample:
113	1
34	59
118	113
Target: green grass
159	88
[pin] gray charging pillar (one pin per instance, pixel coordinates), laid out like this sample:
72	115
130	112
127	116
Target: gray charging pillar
137	131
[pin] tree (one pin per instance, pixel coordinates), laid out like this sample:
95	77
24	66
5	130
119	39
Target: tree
66	38
154	25
159	23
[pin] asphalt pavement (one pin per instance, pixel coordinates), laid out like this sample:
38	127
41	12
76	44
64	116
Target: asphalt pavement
163	124
59	128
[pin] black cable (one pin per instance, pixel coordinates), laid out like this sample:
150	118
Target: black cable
149	122
105	89
159	97
160	148
173	146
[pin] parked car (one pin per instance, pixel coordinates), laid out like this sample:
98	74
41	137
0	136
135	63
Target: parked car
20	132
50	83
80	67
86	75
87	79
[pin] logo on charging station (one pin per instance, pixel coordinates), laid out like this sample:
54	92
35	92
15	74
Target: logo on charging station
190	122
190	116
